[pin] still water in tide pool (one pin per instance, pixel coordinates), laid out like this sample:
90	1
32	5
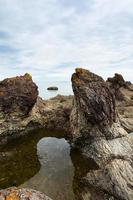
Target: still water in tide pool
43	163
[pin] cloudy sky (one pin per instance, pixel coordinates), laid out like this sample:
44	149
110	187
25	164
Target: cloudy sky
49	38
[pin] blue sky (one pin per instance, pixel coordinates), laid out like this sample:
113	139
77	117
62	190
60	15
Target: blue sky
49	38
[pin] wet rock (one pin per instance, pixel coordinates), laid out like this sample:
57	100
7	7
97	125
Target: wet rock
22	194
97	132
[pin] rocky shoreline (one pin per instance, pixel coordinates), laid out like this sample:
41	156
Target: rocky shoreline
27	111
96	120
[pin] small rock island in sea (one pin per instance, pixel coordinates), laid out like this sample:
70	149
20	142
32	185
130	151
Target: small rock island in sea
97	121
52	88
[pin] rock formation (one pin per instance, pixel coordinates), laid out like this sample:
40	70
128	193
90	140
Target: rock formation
100	112
22	110
22	194
123	92
97	132
17	95
53	113
116	83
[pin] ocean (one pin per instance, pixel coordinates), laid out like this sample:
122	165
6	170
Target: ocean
64	88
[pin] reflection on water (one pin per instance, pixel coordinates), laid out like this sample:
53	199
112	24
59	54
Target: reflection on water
56	174
18	163
44	163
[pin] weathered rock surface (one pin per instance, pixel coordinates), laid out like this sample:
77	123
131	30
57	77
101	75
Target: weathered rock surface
116	83
50	114
94	104
96	130
123	92
21	109
17	95
101	110
53	113
22	194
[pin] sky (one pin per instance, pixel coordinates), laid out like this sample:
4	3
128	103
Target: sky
50	38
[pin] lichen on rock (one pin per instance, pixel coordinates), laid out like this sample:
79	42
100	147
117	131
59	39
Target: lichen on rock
14	193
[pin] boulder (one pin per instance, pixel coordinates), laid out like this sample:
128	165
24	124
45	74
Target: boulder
17	95
97	132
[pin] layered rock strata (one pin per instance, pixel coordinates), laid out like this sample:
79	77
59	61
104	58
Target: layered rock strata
97	132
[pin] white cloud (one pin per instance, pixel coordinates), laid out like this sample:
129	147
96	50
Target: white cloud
51	37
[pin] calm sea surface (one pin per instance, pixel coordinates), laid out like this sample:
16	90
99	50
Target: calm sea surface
64	88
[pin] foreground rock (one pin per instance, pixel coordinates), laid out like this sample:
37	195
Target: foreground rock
96	130
123	92
22	194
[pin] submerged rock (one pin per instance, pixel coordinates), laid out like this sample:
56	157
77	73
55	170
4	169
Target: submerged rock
22	194
97	132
